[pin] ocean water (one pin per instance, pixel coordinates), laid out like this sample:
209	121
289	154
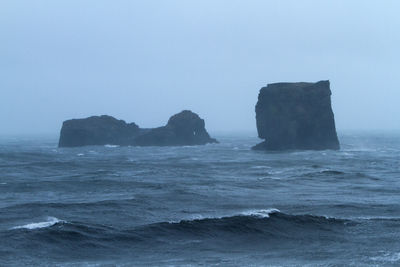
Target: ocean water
220	204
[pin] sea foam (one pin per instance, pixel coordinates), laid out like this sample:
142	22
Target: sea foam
387	257
260	213
111	146
31	226
264	213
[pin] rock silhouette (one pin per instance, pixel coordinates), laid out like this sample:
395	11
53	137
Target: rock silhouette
184	128
293	116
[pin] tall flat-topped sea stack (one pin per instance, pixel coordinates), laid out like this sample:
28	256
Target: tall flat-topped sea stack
183	129
296	116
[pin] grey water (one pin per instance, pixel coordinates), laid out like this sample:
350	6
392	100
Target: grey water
219	204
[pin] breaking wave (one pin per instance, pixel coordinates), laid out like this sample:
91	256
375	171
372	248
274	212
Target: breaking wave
262	224
31	226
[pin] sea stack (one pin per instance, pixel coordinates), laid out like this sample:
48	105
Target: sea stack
97	130
296	116
183	129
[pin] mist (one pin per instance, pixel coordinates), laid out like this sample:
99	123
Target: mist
143	61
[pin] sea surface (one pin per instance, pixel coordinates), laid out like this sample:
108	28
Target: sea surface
219	204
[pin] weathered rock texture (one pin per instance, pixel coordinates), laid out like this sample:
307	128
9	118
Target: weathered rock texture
185	128
296	116
97	130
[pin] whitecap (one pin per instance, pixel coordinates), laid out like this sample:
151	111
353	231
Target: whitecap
80	155
196	217
347	154
3	183
111	146
387	257
264	213
31	226
260	213
269	178
275	178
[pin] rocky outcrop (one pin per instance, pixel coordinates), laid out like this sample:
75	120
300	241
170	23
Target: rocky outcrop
97	130
184	128
296	116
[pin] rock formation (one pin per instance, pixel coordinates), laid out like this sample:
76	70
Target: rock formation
97	130
184	128
296	116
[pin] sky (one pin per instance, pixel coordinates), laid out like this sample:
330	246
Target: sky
143	61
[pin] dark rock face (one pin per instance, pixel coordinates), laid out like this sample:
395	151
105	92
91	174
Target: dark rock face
185	128
296	116
97	130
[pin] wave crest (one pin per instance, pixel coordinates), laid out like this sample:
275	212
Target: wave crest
31	226
260	213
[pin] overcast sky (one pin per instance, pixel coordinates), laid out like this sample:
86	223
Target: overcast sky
143	61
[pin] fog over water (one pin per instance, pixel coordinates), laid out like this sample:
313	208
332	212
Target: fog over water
143	61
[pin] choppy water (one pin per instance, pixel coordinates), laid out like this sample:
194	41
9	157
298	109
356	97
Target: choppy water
215	204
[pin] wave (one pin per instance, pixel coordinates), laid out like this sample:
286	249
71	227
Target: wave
253	231
260	167
260	213
332	172
328	173
31	226
258	218
262	224
391	257
263	213
111	146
